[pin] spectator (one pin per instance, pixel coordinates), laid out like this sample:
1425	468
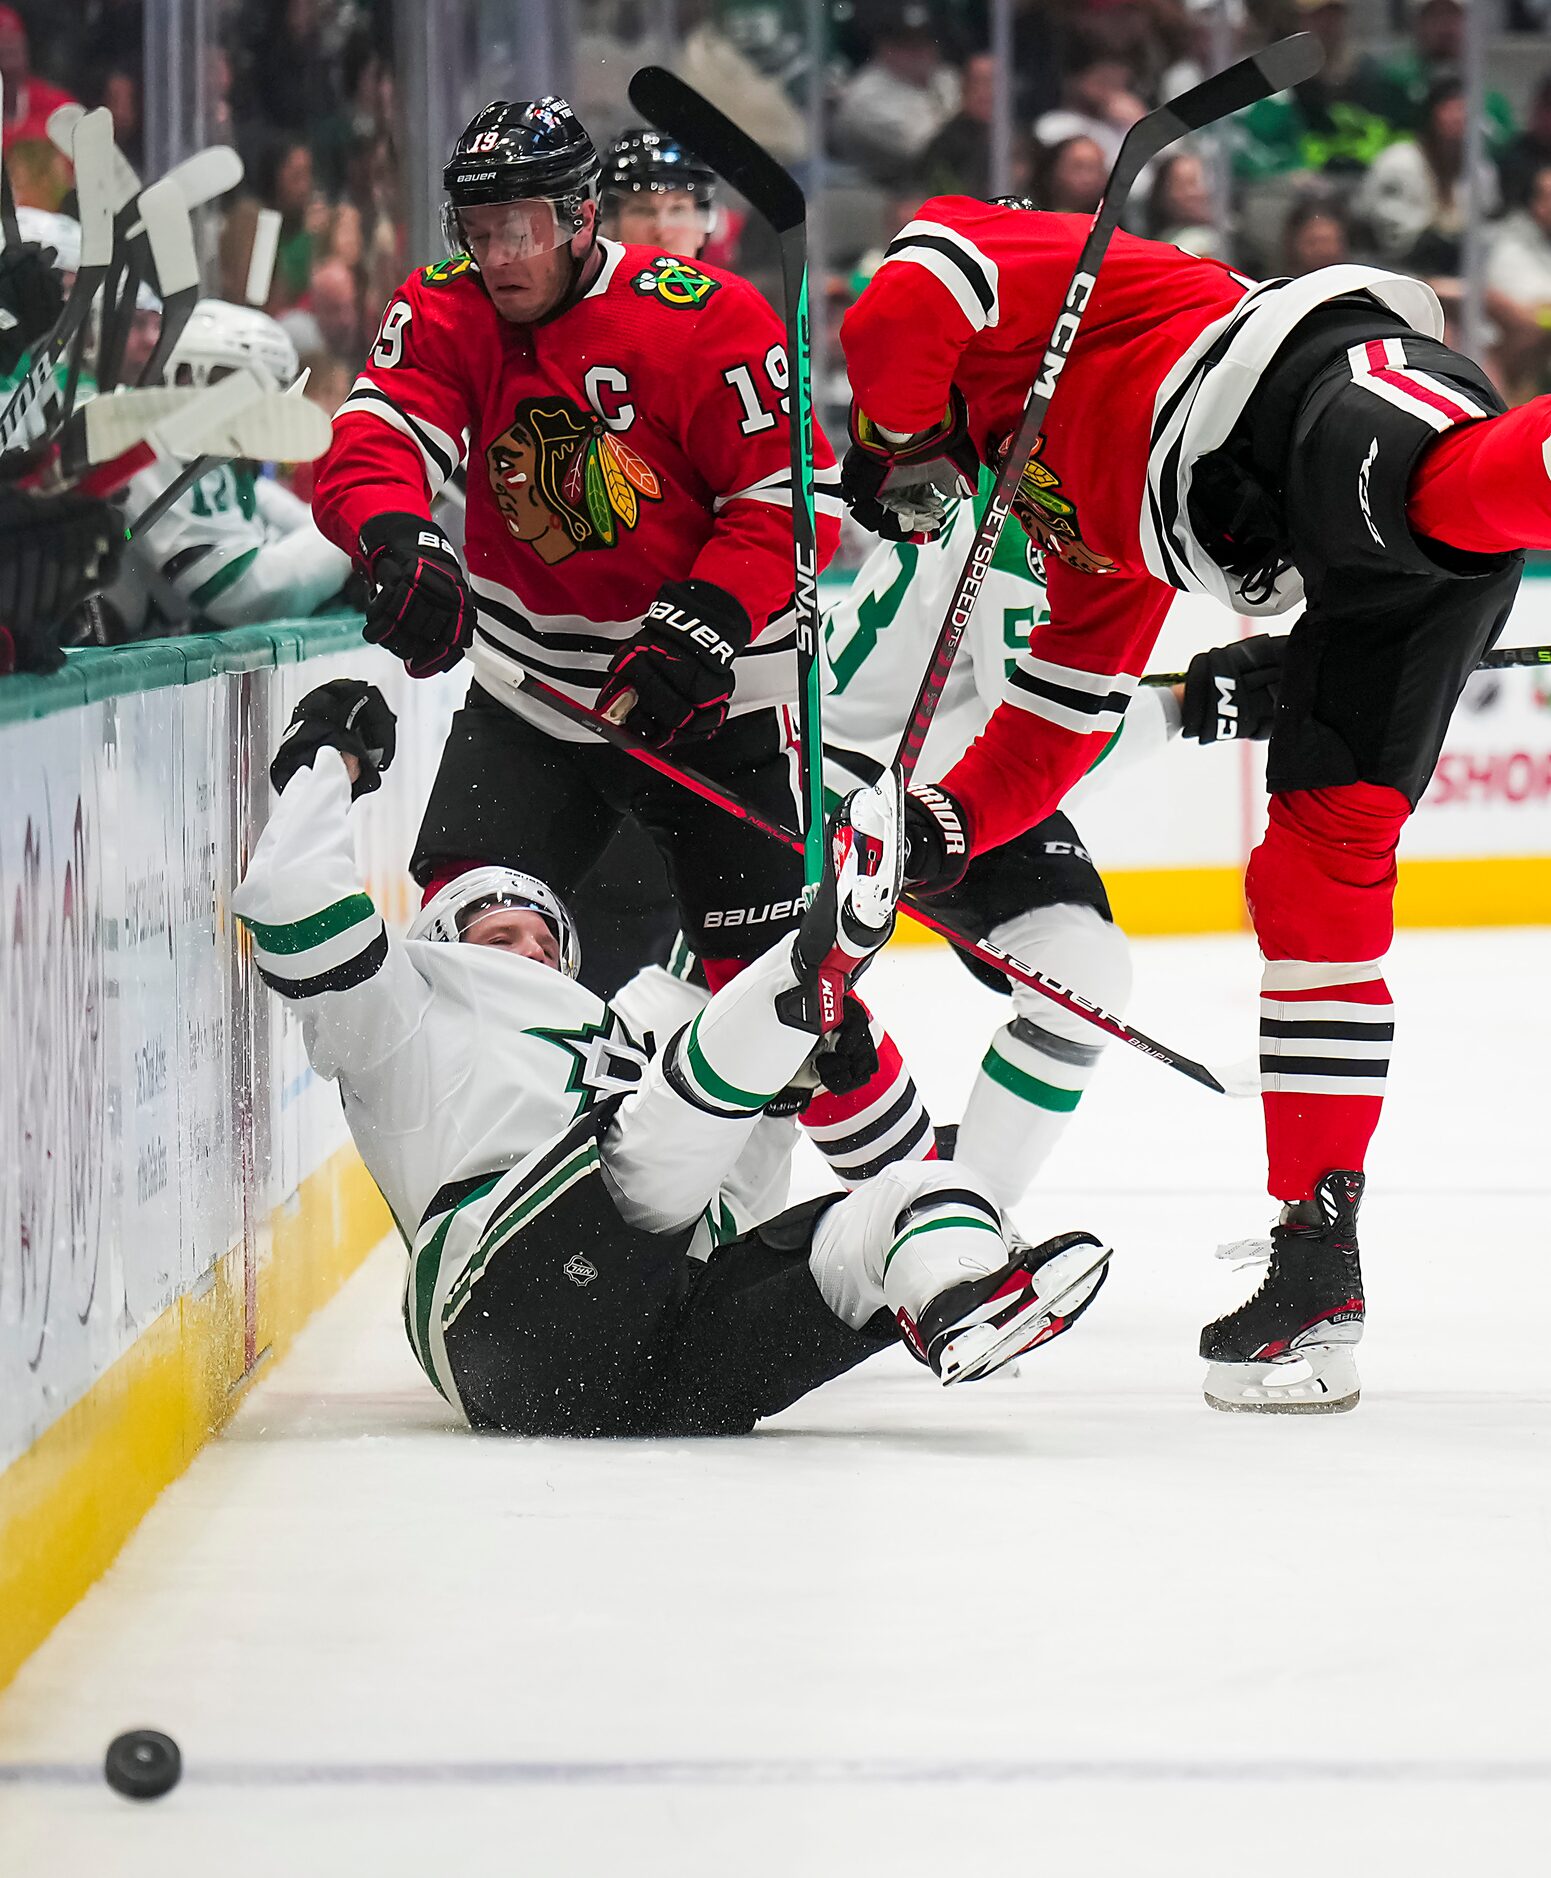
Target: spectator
1413	193
1316	234
893	106
29	101
120	92
1329	121
1181	208
1069	176
1522	160
281	179
957	162
1405	82
710	62
1518	271
334	300
1098	100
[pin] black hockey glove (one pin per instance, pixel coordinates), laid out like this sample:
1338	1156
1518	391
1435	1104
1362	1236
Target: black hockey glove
54	552
903	491
31	297
420	607
844	1060
345	715
679	665
1230	691
937	839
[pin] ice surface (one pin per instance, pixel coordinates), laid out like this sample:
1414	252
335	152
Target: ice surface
1071	1622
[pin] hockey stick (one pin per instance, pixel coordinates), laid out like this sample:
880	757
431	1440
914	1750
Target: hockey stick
678	109
93	145
1501	658
170	233
1005	962
10	228
1287	62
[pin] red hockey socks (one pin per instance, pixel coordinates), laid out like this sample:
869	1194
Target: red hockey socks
1486	487
1321	889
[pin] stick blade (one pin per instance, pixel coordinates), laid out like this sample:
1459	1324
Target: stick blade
164	212
1287	62
92	147
678	109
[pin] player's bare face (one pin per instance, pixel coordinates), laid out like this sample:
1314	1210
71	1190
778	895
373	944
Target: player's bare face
524	256
515	929
671	220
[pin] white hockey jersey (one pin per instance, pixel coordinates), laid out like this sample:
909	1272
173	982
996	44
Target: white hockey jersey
880	637
462	1066
236	549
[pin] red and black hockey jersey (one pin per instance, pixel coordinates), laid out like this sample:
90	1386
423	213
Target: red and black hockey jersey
1168	351
640	437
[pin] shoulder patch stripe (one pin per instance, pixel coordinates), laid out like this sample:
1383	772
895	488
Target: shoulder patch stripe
435	446
968	274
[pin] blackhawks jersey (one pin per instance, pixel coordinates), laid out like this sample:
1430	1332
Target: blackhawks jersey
638	438
1168	351
467	1072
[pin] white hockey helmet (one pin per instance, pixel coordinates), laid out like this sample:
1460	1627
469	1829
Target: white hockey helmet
449	913
221	337
58	232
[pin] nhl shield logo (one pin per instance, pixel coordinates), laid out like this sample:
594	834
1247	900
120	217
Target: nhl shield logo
581	1271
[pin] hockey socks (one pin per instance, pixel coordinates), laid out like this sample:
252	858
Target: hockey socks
1321	892
864	1131
1039	1063
1486	487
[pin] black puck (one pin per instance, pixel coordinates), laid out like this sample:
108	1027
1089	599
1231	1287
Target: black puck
142	1765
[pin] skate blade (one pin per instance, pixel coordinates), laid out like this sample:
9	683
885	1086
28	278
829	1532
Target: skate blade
1332	1386
983	1348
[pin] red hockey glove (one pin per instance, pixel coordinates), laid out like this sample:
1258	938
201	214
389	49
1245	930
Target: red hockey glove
55	551
346	715
420	608
674	679
1230	691
903	491
937	839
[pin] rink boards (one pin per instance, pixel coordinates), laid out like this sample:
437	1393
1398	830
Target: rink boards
177	1188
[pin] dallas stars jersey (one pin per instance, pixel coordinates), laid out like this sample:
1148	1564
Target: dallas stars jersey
881	635
465	1072
638	438
236	549
1167	354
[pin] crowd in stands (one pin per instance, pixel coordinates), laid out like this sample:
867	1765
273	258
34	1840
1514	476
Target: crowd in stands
1366	161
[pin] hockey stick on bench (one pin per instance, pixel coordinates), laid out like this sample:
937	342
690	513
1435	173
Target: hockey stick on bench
1287	62
1005	962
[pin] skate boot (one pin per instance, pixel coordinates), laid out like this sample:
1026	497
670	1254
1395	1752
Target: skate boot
1308	1309
972	1329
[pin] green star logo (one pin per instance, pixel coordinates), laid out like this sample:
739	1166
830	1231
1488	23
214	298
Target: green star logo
603	1062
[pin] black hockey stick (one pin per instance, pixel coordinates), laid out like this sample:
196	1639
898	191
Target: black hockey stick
1287	62
1005	962
678	109
1500	659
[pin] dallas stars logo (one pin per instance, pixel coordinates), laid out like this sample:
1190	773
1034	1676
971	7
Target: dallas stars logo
600	1064
675	283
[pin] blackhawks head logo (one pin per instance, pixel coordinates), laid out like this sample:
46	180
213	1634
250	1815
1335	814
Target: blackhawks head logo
1049	519
563	481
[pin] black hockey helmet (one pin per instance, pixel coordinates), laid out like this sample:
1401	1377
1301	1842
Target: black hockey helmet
521	151
1012	202
648	162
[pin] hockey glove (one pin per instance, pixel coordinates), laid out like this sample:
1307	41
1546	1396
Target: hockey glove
420	608
344	715
1230	691
937	839
679	666
903	491
31	299
844	1060
54	552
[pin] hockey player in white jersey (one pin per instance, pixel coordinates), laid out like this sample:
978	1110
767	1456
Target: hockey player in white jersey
585	1257
237	548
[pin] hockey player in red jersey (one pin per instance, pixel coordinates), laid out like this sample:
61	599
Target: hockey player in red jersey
1311	440
628	540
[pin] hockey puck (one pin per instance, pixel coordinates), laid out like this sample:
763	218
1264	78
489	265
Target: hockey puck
142	1765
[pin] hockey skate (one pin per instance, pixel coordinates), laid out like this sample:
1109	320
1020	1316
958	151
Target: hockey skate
1308	1309
973	1329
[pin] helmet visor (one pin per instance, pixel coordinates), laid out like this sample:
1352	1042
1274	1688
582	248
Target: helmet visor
496	233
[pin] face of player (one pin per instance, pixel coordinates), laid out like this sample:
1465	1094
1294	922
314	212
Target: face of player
668	219
526	266
515	929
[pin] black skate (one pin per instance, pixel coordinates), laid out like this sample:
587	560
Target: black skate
1308	1309
972	1329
